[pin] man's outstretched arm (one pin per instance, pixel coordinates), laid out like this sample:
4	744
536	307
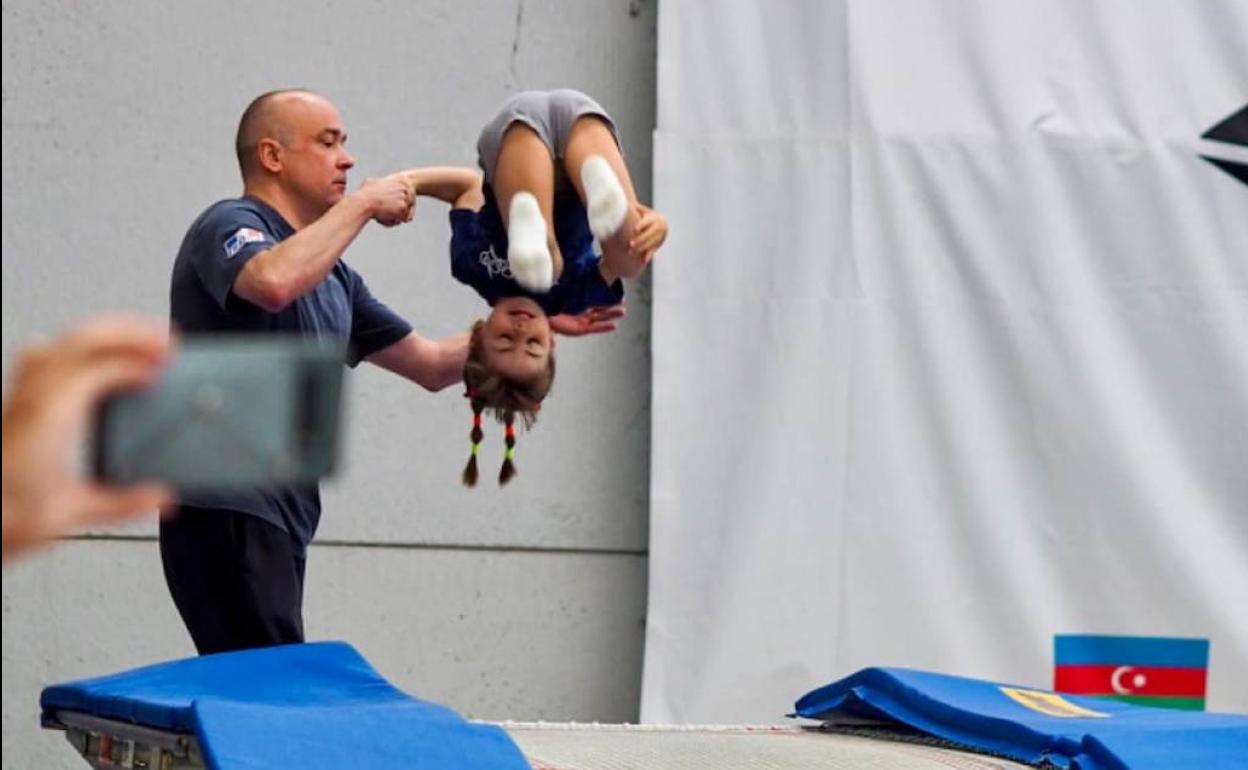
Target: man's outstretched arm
431	364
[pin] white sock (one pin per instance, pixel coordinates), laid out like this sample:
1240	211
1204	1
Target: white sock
605	201
527	252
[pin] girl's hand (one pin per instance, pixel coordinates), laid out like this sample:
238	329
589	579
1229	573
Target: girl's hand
596	320
649	235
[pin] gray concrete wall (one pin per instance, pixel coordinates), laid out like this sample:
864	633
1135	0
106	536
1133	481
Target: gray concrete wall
118	121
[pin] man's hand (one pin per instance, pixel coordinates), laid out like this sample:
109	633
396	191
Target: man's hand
649	235
55	390
391	199
596	320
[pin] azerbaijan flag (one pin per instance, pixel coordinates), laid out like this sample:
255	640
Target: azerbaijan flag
1144	670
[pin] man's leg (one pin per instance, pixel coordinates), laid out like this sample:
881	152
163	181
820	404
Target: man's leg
236	580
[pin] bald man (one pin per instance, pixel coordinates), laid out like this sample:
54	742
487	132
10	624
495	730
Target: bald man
271	262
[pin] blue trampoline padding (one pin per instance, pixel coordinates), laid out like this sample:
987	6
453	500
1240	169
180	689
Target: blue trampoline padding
981	715
316	705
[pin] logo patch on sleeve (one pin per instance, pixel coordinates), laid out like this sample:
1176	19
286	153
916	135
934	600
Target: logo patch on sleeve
242	237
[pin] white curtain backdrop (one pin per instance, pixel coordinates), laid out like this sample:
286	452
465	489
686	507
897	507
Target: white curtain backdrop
950	342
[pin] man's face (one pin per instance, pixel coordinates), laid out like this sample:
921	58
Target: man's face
517	340
314	157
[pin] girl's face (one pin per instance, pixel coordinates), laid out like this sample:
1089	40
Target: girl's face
517	340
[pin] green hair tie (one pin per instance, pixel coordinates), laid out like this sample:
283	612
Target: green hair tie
475	447
510	454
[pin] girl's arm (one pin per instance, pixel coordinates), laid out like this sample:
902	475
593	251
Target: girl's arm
647	237
458	186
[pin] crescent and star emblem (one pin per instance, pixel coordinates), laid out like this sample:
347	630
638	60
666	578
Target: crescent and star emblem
1120	673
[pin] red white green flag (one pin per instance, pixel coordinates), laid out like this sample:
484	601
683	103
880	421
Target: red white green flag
1145	670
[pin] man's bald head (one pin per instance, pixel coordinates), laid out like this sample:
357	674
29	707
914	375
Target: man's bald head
267	117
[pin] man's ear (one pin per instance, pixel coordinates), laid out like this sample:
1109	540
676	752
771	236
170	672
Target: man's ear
269	152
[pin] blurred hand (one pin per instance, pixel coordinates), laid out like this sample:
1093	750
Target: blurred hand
54	391
649	235
392	199
596	320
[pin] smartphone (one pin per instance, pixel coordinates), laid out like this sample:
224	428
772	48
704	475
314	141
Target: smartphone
229	412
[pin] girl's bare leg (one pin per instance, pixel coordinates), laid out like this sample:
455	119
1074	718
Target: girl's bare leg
524	185
593	162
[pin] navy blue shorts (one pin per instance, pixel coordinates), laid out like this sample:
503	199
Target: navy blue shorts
236	579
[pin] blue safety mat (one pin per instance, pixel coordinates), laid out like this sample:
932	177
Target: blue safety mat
311	706
1035	726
